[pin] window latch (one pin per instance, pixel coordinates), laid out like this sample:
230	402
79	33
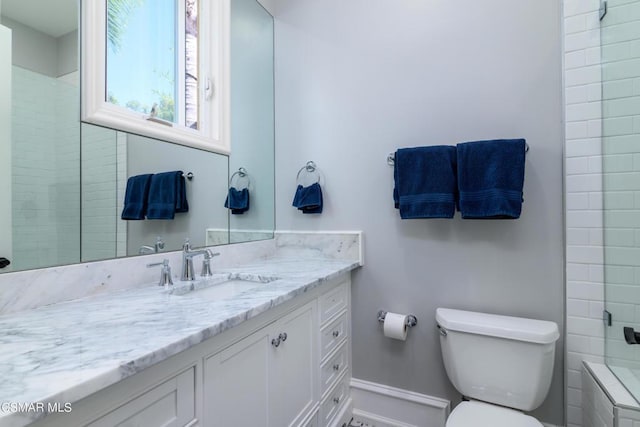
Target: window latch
208	89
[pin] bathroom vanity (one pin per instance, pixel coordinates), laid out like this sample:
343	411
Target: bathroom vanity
271	349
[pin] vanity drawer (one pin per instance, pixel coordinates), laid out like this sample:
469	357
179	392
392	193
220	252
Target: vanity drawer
333	302
332	335
333	368
171	403
333	402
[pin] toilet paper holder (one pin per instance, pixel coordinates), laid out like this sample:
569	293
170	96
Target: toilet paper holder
411	319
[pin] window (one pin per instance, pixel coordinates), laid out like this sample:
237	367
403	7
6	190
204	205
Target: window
158	68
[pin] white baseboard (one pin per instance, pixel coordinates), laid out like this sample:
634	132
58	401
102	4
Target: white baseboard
380	405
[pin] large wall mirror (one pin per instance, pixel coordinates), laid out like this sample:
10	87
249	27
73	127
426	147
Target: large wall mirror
68	179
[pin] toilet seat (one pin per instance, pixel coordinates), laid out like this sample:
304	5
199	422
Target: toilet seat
472	414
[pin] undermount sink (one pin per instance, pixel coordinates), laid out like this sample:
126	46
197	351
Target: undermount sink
221	288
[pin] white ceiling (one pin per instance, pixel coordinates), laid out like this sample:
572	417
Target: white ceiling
52	17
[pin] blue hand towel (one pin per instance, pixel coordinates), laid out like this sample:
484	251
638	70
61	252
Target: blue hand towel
426	182
167	195
237	200
135	197
490	178
309	199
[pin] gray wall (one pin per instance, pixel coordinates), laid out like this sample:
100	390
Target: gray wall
41	53
252	111
355	80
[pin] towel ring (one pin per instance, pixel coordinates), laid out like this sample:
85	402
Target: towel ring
240	173
309	168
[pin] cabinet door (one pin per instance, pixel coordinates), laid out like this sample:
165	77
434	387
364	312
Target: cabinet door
170	404
236	388
292	381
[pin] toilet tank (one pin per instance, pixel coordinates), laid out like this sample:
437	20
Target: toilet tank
498	359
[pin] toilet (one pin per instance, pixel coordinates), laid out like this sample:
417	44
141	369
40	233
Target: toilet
503	365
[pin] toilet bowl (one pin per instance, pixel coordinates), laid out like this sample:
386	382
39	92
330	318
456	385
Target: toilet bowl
502	364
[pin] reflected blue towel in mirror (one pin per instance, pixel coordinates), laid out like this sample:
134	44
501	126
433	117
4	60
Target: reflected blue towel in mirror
491	178
135	197
237	200
167	195
425	182
308	199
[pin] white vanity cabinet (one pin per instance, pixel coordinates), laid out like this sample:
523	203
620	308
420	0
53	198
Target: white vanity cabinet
289	366
266	379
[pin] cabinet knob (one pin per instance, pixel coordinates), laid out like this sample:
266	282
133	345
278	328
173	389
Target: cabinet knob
283	336
275	342
336	367
336	400
336	334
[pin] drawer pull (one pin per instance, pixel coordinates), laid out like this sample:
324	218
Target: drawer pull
336	367
336	334
336	400
275	342
283	336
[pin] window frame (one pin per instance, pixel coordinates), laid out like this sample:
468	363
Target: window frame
213	56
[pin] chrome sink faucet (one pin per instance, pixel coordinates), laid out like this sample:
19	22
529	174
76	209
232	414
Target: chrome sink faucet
159	245
188	272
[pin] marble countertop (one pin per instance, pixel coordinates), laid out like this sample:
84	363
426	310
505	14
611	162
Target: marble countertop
67	351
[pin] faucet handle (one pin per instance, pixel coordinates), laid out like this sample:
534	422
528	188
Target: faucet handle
187	245
206	263
165	272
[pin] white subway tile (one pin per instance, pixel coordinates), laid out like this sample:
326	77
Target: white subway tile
596	271
586	111
576	94
577	165
583	183
577	237
575	24
585	290
575	59
577	202
577	308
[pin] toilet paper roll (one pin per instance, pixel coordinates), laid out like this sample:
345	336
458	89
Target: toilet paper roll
395	326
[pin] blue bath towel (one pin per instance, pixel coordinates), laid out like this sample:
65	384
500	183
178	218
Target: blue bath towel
135	197
309	199
237	200
490	178
167	195
425	179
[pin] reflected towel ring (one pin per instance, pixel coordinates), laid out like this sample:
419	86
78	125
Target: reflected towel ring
310	167
240	173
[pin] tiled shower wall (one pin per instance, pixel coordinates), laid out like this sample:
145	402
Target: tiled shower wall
621	154
602	97
583	187
45	170
100	214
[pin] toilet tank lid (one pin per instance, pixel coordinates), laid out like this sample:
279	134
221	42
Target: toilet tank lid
515	328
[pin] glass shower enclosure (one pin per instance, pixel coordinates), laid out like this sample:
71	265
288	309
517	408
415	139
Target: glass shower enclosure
620	55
